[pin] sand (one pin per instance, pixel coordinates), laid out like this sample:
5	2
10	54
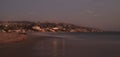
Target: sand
11	37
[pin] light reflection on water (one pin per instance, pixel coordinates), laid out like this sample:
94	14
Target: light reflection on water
50	48
91	45
85	45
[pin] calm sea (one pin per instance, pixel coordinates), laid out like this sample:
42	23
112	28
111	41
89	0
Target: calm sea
65	45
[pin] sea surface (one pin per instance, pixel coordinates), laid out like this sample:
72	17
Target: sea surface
65	45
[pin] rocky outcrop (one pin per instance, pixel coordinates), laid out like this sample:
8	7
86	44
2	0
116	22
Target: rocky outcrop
26	26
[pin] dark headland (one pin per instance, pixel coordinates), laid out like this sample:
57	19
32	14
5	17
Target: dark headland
11	31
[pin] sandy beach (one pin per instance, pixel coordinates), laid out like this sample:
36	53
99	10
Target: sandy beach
11	37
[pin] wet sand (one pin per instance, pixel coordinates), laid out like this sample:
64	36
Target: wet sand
61	47
6	38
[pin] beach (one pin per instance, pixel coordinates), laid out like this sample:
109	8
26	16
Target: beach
66	45
11	37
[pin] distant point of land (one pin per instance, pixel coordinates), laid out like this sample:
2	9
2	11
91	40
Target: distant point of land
27	26
14	31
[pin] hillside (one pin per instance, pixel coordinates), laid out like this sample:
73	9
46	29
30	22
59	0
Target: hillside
26	26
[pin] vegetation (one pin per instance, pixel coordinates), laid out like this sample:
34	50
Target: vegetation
25	26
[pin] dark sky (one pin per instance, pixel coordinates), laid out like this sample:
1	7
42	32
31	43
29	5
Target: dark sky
103	14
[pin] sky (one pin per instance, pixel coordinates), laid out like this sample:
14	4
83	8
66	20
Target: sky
102	14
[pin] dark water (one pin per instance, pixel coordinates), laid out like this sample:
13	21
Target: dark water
65	45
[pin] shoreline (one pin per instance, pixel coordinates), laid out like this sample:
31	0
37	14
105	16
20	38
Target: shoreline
6	38
14	37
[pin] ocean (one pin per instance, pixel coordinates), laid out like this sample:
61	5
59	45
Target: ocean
102	44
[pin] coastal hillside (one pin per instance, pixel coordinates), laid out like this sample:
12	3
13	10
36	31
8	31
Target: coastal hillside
27	26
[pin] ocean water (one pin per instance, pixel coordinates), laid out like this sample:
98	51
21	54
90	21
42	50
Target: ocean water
66	45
